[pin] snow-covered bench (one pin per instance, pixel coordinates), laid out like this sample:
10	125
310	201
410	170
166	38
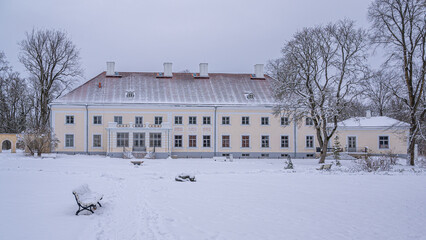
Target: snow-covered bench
325	167
184	177
48	155
219	159
137	162
86	199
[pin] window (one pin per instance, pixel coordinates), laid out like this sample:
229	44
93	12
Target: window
69	140
284	142
192	120
352	142
264	155
225	154
206	120
309	121
383	142
178	120
265	141
69	119
309	155
138	139
206	141
284	155
97	140
97	119
264	120
178	141
309	141
118	119
139	120
245	141
158	120
225	141
284	121
245	120
192	141
130	94
122	139
245	155
155	139
226	120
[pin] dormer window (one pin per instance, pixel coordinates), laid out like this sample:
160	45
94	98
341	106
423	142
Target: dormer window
130	94
249	95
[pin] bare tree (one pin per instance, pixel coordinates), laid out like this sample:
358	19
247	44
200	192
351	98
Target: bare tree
399	26
15	101
53	63
318	75
377	91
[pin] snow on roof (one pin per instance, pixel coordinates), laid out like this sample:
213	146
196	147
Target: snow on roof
182	88
372	122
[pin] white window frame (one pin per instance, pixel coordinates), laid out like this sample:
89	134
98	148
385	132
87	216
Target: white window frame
261	121
313	142
158	118
378	141
194	122
151	140
181	120
71	117
65	141
287	121
136	117
249	141
356	140
261	141
181	141
97	116
209	120
128	139
119	117
288	141
311	121
196	141
248	120
221	141
93	140
210	141
229	120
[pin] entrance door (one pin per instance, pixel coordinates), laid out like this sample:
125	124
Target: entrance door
352	144
138	141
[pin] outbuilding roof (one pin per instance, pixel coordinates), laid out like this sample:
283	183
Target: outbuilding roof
372	122
182	88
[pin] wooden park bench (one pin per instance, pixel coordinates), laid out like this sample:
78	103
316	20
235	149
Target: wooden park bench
219	159
48	155
325	167
185	178
137	162
86	199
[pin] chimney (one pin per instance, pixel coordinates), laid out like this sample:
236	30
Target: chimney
204	70
258	71
368	114
110	69
168	69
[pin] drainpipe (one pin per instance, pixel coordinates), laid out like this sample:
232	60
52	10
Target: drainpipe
215	128
295	137
87	130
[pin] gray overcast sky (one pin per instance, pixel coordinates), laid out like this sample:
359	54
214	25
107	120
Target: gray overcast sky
231	36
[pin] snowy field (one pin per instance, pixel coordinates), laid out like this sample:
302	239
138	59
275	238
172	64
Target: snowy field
245	199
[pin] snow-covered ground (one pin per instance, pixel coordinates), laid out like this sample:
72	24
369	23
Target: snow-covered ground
245	199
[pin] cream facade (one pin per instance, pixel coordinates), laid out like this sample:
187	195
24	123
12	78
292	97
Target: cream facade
189	115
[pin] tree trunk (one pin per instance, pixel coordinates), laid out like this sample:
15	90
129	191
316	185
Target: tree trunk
323	151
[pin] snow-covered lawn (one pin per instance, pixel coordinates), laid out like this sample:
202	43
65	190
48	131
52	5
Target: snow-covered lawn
245	199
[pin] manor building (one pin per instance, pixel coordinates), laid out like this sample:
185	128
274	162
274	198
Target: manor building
194	115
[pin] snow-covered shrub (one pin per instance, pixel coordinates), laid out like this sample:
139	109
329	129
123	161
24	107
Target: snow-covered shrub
38	141
421	162
373	164
289	163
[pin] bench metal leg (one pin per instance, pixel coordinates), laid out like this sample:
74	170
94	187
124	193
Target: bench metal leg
99	204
